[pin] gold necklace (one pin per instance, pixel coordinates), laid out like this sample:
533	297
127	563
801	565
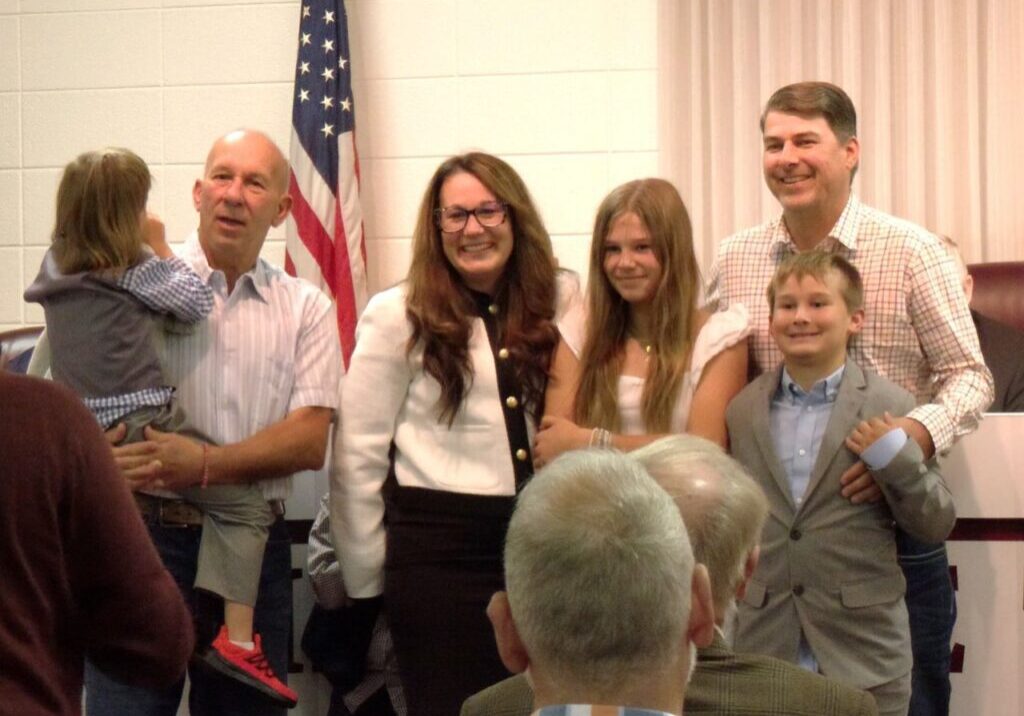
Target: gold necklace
647	346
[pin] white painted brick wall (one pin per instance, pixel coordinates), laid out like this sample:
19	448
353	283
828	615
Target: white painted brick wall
565	90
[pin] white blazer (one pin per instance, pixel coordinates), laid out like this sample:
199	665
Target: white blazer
387	396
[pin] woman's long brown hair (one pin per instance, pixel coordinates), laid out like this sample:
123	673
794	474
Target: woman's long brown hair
441	309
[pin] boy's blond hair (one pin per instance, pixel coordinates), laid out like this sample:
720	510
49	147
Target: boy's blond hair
819	264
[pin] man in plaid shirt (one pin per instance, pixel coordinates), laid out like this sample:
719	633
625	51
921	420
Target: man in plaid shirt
918	331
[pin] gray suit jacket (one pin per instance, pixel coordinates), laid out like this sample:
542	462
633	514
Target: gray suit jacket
829	567
724	683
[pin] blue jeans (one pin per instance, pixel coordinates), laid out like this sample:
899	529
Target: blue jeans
931	604
211	694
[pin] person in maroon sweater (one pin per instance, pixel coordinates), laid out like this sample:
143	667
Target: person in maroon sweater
63	509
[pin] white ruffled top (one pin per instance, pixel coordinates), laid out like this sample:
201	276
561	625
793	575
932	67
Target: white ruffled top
722	330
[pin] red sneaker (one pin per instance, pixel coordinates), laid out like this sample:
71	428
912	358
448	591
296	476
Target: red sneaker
249	667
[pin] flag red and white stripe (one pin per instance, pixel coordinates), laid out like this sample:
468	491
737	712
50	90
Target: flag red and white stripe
325	230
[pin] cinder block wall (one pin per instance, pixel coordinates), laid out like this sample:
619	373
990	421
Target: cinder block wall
563	89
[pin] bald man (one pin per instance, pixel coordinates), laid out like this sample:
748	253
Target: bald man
260	377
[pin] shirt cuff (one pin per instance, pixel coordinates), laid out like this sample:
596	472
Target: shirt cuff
881	452
937	420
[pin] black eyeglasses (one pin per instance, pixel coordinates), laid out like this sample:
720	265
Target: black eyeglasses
454	218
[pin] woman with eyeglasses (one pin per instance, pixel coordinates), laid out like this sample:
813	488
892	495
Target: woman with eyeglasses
438	414
643	360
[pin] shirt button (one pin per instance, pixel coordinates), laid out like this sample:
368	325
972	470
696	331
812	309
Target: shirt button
503	353
801	451
493	309
798	590
795	534
511	401
521	455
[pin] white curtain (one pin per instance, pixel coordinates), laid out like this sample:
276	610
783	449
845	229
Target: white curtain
939	91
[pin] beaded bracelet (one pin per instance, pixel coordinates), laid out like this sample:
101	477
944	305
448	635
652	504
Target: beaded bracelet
600	438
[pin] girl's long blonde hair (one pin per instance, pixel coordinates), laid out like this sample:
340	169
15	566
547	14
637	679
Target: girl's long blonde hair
674	309
99	202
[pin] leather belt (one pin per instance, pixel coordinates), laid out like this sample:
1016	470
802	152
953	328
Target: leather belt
168	512
178	513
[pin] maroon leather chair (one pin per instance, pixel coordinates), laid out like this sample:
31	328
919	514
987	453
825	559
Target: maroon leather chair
999	291
15	344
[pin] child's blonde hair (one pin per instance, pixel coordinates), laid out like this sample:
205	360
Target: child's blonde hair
99	202
819	264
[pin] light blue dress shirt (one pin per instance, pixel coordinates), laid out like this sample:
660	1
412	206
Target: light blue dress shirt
798	422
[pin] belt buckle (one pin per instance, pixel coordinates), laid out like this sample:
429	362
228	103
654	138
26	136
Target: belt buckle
180	525
149	508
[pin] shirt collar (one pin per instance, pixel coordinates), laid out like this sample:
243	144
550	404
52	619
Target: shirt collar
824	390
257	279
582	709
844	232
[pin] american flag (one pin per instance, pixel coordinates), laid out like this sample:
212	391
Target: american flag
325	231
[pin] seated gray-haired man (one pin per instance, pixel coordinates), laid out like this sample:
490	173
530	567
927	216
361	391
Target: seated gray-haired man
604	603
724	510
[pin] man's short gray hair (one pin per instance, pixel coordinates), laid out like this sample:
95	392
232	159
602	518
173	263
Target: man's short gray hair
598	570
723	508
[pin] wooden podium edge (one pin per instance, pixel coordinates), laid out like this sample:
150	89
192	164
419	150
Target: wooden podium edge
974	529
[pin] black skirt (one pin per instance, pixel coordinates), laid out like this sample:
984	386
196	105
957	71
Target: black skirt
444	561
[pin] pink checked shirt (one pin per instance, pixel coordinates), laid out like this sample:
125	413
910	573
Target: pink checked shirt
918	331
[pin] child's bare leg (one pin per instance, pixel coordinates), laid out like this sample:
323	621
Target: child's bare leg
238	619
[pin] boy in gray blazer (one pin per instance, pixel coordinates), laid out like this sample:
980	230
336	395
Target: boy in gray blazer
828	592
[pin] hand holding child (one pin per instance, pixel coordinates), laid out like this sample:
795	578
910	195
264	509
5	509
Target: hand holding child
137	462
162	460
